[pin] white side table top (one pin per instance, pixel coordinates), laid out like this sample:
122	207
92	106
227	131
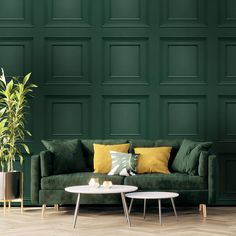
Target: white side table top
86	189
152	195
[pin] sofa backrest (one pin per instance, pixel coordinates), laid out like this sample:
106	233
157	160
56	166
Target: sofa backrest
88	150
87	145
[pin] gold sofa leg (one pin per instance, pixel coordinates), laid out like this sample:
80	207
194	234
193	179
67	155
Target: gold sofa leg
56	207
204	211
43	209
22	206
202	207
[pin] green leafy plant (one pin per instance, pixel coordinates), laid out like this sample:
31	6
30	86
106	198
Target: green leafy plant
13	104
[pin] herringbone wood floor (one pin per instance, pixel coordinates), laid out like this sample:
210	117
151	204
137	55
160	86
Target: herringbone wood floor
109	221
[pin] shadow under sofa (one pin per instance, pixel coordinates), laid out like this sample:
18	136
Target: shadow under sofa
48	189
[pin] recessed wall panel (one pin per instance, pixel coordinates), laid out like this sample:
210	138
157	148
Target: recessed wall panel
67	116
227	187
227	118
74	13
227	59
183	61
125	13
15	56
183	116
125	116
15	13
125	60
183	13
227	13
67	60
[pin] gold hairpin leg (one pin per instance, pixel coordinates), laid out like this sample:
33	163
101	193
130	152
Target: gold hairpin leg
200	207
203	209
56	207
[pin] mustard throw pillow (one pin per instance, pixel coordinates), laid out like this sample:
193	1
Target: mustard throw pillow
102	157
153	159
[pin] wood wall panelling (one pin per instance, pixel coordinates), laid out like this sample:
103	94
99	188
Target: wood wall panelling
127	69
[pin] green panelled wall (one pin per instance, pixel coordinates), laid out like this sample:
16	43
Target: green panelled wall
127	68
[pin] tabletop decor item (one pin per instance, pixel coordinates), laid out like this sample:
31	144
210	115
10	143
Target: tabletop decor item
94	182
107	184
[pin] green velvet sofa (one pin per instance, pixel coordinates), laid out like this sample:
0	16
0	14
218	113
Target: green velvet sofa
48	189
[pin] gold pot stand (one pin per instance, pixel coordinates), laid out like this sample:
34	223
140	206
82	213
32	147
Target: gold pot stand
6	201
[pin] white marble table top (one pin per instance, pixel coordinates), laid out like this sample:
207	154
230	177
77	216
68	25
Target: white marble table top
152	195
86	189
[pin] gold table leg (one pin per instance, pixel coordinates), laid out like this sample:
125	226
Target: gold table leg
4	207
43	209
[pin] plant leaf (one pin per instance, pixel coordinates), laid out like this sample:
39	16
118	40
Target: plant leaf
26	148
2	78
28	132
26	78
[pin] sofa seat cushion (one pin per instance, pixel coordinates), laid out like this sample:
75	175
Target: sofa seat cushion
173	181
59	182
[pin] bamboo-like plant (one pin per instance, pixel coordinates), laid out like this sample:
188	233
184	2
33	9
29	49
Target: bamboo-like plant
13	104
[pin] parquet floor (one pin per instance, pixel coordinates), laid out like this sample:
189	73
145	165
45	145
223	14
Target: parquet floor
109	221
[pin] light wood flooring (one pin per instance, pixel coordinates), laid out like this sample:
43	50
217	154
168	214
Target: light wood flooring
109	221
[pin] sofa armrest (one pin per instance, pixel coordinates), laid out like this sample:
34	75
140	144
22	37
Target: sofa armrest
46	163
203	164
212	169
35	179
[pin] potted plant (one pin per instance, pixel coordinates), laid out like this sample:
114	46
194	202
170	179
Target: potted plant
13	104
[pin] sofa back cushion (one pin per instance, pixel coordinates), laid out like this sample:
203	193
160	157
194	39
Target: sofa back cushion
67	155
102	156
88	149
187	158
175	144
153	159
46	163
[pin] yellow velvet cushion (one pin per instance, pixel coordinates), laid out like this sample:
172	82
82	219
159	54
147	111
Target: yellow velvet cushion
102	157
153	159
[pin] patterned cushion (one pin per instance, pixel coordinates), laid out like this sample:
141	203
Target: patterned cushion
123	163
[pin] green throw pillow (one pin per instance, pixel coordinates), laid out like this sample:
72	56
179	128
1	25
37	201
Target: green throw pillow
123	163
187	158
68	155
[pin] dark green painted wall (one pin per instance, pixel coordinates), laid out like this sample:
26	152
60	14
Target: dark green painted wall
128	68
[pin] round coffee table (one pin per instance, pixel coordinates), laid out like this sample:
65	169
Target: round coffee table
85	189
153	195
